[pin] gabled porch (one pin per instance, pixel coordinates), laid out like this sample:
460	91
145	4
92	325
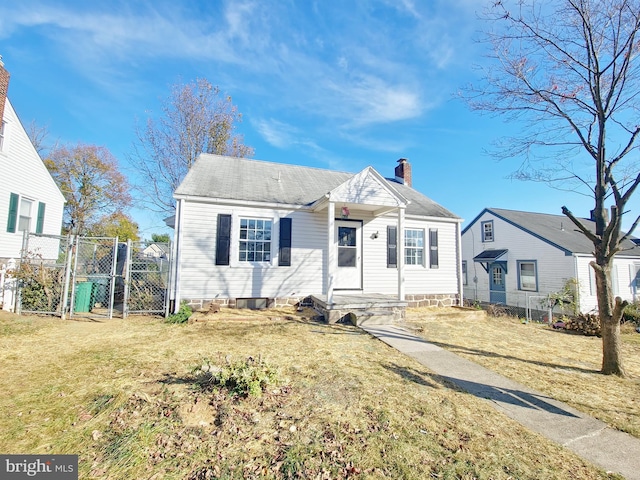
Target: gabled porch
364	196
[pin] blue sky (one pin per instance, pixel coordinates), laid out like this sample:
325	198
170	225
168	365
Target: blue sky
338	85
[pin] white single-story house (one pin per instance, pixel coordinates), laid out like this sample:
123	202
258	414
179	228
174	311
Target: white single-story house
251	232
509	255
30	200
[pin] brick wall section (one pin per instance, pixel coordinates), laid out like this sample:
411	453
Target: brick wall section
4	87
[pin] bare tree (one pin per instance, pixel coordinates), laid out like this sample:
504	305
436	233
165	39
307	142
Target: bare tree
570	70
91	183
38	135
195	119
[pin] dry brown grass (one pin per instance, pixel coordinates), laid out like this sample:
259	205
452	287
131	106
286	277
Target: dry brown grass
562	365
120	393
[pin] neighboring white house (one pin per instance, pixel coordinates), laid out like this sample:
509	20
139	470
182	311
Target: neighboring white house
277	233
29	198
510	255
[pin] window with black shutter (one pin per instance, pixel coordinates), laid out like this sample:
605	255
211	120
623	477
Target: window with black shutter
223	240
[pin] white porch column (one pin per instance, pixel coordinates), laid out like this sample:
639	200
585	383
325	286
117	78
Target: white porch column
331	251
400	254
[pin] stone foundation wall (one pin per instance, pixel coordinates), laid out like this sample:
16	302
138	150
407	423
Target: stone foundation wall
437	300
199	304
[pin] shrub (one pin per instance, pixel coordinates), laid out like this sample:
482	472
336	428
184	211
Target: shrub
631	314
183	314
244	378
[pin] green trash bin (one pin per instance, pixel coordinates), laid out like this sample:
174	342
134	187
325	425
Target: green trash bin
84	296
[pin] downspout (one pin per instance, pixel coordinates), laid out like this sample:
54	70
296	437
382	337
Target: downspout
459	267
400	254
575	271
177	252
331	254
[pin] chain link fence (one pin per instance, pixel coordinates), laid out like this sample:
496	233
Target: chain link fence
41	274
537	308
91	276
148	278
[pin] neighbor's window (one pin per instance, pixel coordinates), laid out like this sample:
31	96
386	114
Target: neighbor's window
24	216
464	272
255	240
487	231
414	247
527	275
3	129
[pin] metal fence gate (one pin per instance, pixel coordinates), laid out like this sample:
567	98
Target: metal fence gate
92	276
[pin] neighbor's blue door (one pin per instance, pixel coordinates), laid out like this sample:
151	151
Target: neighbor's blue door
497	293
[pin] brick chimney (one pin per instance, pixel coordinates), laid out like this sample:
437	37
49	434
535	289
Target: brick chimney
403	172
4	86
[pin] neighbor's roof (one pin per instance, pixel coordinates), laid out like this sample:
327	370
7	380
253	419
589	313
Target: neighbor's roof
555	229
241	179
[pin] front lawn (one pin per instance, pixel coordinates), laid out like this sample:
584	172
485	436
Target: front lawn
130	398
562	365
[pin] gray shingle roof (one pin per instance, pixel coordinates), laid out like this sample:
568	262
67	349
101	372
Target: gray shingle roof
242	179
558	230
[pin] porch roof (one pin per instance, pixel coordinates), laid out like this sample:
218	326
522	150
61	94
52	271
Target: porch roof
491	255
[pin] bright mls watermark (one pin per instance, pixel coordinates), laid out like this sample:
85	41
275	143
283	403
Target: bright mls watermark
50	467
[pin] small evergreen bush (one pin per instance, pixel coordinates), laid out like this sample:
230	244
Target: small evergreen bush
182	316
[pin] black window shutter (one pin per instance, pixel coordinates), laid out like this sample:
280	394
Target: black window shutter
284	253
433	248
13	213
392	247
223	241
40	219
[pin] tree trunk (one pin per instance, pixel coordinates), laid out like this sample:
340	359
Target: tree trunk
610	311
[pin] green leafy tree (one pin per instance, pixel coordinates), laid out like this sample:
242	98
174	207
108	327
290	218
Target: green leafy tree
160	237
569	72
117	224
91	183
196	118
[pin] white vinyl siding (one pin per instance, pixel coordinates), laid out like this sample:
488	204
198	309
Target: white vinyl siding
377	278
553	267
30	180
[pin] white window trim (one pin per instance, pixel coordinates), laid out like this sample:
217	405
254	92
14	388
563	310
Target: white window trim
424	248
482	232
464	271
3	135
235	261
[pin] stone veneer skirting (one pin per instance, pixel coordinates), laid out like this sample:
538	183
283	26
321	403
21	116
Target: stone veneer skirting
206	304
433	300
394	312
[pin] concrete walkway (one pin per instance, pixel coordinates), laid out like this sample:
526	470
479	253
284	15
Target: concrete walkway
593	440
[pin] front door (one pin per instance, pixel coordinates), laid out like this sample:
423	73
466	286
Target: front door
497	293
349	243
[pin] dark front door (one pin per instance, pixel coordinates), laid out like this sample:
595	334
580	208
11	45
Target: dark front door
497	293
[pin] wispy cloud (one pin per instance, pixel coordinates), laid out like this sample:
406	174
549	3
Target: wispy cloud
354	71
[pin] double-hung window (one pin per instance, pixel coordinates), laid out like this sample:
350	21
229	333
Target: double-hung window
464	272
413	247
255	240
527	275
487	231
3	129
